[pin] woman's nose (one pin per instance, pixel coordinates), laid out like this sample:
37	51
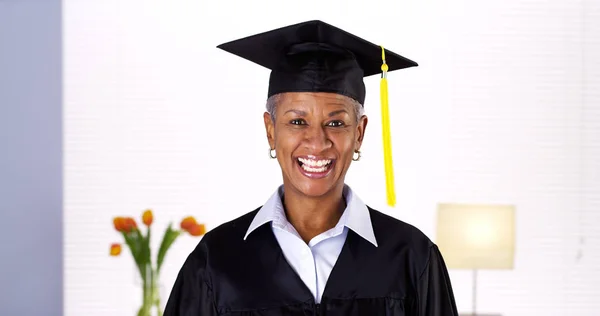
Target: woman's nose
316	138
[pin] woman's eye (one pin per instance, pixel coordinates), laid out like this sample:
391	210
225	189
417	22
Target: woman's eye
297	122
335	123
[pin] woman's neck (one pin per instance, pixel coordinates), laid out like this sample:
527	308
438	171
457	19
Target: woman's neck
313	216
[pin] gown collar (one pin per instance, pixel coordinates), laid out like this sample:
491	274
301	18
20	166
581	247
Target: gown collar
356	215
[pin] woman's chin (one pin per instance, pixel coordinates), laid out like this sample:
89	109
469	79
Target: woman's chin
314	187
315	192
313	184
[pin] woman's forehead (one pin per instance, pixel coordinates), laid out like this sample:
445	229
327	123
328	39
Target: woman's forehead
314	98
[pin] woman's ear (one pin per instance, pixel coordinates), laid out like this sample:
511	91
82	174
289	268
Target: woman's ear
270	129
360	130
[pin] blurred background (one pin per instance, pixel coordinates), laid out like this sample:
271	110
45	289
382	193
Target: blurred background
109	108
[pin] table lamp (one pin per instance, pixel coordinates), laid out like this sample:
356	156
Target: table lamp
476	237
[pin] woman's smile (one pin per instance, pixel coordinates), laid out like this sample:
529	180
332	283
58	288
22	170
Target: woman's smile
314	167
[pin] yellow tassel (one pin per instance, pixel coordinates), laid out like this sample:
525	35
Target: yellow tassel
387	138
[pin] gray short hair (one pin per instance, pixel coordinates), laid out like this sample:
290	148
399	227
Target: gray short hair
274	100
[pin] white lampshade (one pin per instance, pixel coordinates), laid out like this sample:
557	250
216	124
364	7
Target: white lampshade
474	236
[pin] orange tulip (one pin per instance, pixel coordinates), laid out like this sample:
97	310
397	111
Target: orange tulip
197	230
130	224
115	249
147	217
188	222
119	223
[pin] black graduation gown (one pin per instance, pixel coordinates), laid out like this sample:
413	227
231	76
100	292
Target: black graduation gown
227	275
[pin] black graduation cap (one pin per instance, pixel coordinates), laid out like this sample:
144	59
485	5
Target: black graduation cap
314	56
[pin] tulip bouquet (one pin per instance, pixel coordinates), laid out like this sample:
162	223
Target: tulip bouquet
139	245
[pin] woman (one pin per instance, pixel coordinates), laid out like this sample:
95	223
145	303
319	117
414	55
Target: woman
314	248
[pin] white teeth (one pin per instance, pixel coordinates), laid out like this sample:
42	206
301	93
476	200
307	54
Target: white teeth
314	163
311	165
309	169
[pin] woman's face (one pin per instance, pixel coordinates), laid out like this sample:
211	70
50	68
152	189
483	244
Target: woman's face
315	136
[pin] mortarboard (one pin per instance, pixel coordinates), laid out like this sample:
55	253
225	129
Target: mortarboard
314	56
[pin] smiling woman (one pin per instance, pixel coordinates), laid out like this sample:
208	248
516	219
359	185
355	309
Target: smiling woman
314	248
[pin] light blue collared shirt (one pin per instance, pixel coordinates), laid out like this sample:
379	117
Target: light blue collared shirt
314	261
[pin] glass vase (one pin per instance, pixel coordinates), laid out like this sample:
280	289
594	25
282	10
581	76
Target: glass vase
151	295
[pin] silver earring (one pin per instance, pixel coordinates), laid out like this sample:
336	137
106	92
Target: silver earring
354	157
271	151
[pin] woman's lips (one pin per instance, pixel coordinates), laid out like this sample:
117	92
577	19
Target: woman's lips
313	167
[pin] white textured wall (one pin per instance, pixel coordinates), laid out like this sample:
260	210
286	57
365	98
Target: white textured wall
504	108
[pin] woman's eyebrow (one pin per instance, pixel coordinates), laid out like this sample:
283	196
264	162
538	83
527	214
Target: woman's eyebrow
334	113
298	112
